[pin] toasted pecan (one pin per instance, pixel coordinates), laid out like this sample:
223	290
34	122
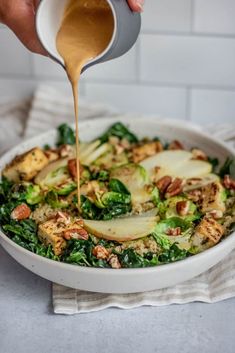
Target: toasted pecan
163	183
175	188
21	212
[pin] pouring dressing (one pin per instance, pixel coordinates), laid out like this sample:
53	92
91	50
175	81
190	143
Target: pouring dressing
86	30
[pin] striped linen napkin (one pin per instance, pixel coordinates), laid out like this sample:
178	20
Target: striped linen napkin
50	108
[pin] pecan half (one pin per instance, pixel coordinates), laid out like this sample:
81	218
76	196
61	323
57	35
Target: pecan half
21	212
175	145
175	188
100	252
75	233
228	182
174	231
199	154
163	183
72	167
66	150
114	262
182	207
62	217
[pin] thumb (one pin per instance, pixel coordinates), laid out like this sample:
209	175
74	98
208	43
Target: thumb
136	5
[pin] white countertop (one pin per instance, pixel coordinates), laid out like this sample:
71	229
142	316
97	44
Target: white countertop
28	325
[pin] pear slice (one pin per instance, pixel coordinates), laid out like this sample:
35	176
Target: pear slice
192	169
49	176
95	154
176	164
167	160
202	182
122	229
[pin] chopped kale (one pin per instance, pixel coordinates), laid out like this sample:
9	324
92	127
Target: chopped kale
79	252
227	168
120	131
214	162
173	254
66	135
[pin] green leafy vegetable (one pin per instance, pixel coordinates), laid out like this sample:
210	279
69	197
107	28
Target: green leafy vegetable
5	187
167	209
173	254
54	201
33	194
24	233
155	196
162	240
91	211
117	186
130	259
173	222
214	162
102	175
66	135
111	198
26	229
227	167
79	252
46	147
120	131
66	189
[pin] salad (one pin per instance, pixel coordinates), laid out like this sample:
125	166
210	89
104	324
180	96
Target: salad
143	202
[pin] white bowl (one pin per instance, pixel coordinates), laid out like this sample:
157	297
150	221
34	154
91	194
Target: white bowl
124	280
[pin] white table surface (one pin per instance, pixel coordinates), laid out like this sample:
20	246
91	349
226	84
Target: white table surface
28	325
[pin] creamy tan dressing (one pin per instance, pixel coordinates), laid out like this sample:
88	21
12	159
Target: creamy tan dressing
86	30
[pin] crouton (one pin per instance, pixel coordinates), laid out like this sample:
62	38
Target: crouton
207	233
146	150
53	232
212	198
26	166
50	234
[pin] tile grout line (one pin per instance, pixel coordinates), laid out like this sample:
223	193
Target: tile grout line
157	84
189	34
188	103
192	16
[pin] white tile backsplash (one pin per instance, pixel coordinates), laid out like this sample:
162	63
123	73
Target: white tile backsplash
167	15
183	65
212	106
16	89
214	16
47	68
123	69
188	60
162	101
14	58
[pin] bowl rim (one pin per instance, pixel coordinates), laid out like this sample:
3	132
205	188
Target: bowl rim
186	128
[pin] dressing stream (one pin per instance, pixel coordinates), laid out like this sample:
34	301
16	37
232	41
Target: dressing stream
86	31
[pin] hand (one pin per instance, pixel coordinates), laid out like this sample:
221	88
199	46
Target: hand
136	5
19	16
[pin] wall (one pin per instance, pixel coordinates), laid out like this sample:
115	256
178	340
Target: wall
183	65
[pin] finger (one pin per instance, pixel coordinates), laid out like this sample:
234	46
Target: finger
136	5
22	22
36	3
